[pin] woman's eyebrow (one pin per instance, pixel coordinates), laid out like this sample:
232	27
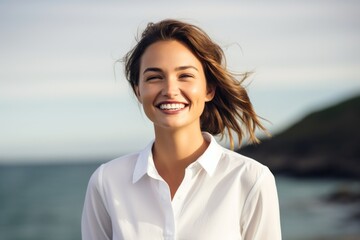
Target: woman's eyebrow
155	69
185	67
152	69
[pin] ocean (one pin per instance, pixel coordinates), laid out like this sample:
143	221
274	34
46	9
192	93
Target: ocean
39	202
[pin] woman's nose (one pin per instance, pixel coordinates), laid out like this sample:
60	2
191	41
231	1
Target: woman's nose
170	88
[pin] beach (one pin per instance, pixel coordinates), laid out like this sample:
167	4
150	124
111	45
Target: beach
45	202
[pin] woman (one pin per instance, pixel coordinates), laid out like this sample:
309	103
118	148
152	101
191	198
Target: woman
184	185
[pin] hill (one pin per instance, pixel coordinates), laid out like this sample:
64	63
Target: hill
323	144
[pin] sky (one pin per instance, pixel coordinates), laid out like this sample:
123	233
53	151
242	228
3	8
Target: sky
63	95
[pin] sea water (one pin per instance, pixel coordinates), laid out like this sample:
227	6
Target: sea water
305	213
39	202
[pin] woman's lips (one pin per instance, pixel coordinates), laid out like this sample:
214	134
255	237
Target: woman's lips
171	106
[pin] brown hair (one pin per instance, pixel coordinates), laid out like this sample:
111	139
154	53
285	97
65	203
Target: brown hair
230	110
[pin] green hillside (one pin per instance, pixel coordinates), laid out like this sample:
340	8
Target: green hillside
323	144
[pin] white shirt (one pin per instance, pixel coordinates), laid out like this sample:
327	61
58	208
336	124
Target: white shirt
223	196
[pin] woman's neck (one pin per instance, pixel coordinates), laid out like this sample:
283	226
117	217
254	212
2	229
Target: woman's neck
173	151
174	148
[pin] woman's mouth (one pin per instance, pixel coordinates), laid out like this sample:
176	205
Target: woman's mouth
171	106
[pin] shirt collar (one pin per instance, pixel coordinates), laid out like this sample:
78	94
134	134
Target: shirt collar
144	160
208	160
211	157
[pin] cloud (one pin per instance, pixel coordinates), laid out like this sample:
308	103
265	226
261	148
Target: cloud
57	59
50	90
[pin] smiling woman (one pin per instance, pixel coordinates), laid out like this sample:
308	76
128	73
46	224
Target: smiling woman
184	185
173	93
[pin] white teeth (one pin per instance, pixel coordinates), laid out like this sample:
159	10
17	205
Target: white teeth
172	106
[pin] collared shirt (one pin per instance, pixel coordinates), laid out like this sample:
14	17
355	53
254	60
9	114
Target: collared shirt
223	195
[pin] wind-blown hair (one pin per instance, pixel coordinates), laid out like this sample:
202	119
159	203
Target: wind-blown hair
230	110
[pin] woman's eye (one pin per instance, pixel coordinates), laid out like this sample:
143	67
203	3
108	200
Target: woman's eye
186	76
153	77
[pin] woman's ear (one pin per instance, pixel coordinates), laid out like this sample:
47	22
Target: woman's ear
137	93
210	94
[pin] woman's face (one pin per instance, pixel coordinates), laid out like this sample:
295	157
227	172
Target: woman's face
172	86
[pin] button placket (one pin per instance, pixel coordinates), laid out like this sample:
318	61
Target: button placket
169	228
178	200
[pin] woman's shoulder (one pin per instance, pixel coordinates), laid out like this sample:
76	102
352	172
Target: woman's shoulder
123	160
119	167
234	160
238	158
249	168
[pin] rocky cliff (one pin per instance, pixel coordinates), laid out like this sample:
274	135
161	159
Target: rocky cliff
324	144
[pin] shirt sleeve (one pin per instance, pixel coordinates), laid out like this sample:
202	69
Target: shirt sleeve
261	216
95	222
